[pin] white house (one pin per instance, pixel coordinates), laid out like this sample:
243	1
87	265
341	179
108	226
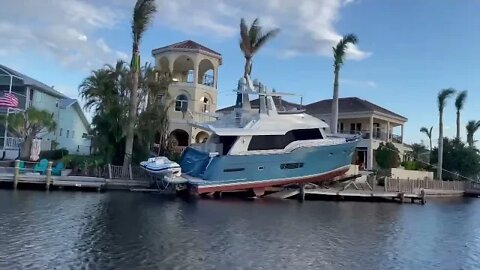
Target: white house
72	125
375	123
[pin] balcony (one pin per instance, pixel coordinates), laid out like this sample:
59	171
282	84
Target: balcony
377	135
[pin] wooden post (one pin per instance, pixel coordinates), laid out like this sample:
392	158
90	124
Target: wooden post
49	175
130	171
16	174
423	201
401	196
109	171
302	192
385	184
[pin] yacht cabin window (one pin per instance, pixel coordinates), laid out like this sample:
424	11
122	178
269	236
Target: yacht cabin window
275	142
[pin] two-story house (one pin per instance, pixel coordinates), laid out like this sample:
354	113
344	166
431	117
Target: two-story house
72	125
375	123
193	92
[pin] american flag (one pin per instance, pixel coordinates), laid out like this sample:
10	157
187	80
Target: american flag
9	100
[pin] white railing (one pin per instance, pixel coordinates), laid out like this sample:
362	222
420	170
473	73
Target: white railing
12	142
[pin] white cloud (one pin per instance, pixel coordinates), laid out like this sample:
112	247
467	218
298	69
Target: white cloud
64	30
367	83
71	30
307	26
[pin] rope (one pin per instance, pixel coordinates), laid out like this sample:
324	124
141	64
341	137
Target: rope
436	167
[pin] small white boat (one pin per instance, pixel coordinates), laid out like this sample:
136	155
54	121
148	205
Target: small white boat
161	166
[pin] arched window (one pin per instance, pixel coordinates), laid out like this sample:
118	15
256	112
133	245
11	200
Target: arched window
205	104
181	103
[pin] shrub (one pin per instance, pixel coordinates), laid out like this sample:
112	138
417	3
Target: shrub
410	165
54	154
387	156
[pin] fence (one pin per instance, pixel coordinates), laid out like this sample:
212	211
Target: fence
133	172
414	186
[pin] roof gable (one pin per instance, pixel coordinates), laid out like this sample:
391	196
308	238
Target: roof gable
186	45
349	105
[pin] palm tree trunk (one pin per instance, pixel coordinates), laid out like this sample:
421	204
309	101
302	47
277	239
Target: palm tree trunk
458	125
25	149
430	156
334	119
248	67
131	122
440	147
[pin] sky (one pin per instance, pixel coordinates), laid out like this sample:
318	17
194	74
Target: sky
407	52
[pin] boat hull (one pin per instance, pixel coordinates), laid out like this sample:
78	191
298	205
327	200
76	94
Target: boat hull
221	187
239	172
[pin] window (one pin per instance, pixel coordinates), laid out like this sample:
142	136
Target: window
61	131
68	133
359	127
271	142
227	142
181	103
290	166
205	104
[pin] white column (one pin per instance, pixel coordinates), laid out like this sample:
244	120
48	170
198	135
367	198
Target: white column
370	156
388	131
171	61
401	139
195	72
371	127
215	77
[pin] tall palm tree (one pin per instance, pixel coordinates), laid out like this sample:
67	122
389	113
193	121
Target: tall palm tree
472	127
459	103
428	132
143	13
339	55
442	97
251	40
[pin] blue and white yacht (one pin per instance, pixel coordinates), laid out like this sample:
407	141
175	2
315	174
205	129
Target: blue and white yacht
252	149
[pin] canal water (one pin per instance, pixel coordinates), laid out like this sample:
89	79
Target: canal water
120	230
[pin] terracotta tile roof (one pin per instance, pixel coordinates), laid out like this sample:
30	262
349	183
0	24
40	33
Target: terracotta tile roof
186	45
348	105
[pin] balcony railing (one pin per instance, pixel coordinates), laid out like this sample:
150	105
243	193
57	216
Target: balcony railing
377	135
10	142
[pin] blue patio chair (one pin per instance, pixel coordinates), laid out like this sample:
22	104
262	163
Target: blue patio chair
57	170
41	167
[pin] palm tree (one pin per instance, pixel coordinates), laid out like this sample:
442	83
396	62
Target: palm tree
143	13
428	132
459	102
339	56
472	127
442	97
28	125
251	40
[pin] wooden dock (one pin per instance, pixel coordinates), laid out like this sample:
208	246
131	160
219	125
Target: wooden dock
15	179
399	190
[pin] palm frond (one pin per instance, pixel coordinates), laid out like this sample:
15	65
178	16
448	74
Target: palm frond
460	100
427	131
340	49
443	95
264	38
143	13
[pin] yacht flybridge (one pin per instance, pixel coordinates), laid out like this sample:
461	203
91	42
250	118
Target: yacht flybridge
259	148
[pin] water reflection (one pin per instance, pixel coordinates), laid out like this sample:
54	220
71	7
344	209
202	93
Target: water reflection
128	230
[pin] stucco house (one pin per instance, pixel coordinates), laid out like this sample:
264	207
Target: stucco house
72	125
375	123
193	92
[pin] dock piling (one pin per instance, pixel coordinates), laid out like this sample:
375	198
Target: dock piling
16	174
49	175
302	192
